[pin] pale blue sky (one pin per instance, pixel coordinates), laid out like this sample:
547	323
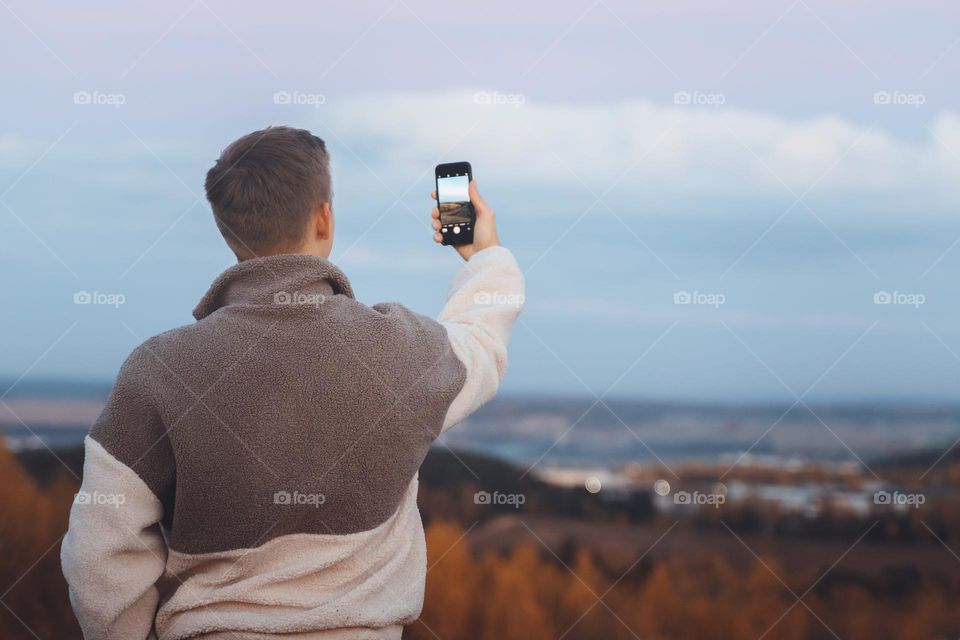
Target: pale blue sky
453	189
795	158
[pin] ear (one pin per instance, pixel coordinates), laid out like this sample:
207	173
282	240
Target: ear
323	222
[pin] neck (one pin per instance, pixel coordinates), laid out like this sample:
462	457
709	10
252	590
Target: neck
309	250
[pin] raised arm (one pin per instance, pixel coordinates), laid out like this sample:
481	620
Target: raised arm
485	299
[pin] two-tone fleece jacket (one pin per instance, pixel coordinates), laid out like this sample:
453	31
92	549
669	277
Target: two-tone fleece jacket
254	474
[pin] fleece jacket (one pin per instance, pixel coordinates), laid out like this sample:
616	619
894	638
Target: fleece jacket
254	474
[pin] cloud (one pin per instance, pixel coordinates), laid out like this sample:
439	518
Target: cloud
123	160
640	147
660	156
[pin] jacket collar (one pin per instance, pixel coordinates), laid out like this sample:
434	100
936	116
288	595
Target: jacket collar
264	281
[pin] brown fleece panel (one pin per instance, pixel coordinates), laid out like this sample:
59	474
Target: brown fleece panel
281	418
131	423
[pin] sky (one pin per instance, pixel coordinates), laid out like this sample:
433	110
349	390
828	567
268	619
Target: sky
749	203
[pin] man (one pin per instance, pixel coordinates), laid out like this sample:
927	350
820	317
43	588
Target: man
254	474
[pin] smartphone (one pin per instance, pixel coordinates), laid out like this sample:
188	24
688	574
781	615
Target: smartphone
457	215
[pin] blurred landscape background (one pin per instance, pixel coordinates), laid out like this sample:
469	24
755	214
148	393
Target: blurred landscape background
732	405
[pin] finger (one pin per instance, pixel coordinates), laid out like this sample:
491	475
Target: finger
437	237
435	214
433	194
478	202
436	225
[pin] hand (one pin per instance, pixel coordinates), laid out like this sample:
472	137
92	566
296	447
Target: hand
484	229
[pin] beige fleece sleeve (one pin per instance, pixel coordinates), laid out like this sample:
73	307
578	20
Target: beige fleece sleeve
113	553
485	299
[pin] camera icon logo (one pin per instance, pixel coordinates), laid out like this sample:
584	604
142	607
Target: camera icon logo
682	297
681	497
481	497
482	97
882	497
82	297
282	97
282	497
81	497
682	97
282	297
81	97
882	97
882	297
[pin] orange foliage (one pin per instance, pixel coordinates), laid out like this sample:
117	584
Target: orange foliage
530	593
32	522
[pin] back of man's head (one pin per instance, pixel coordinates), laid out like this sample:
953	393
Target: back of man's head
267	187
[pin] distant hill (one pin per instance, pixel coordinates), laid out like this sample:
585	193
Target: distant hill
447	477
921	459
583	433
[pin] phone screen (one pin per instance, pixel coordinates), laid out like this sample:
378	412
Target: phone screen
453	201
